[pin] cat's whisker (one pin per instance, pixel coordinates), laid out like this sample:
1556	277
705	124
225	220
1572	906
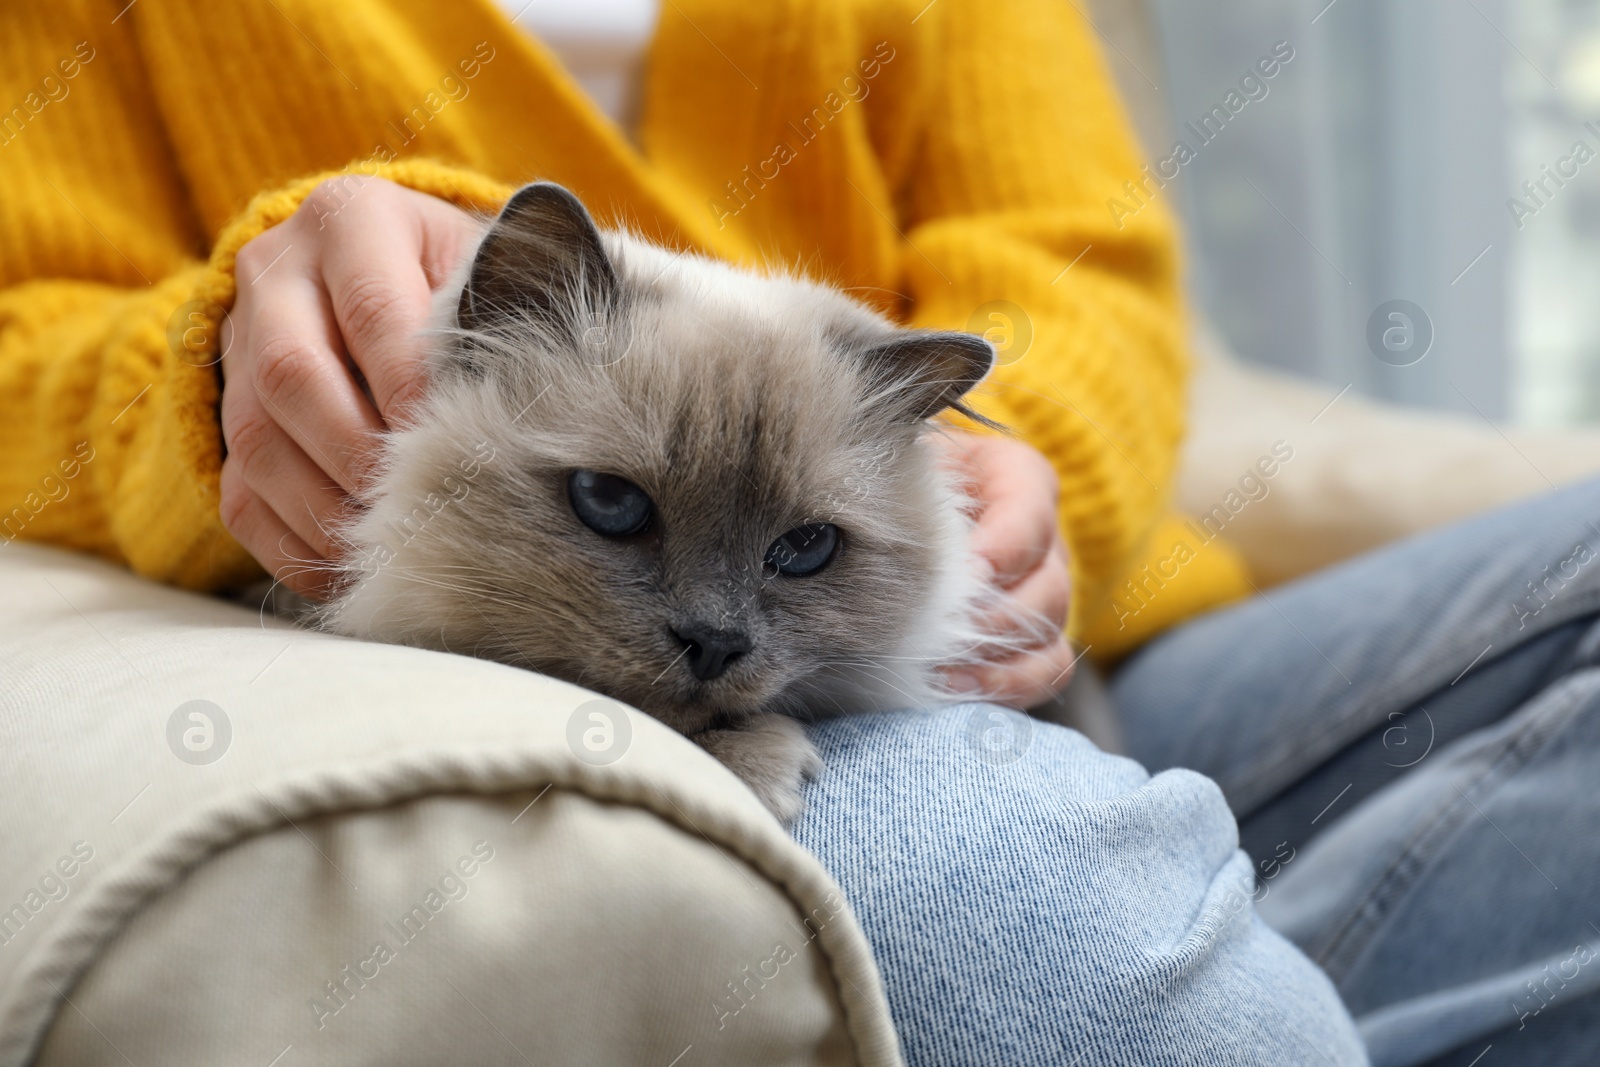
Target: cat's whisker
453	581
480	594
874	289
671	665
468	567
870	665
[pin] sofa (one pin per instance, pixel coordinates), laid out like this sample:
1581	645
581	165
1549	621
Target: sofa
228	841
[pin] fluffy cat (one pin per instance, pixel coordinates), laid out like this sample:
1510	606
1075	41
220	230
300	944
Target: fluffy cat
706	493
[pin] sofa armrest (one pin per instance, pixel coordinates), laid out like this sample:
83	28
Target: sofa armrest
367	854
1362	473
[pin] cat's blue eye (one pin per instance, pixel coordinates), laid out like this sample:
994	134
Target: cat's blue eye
608	505
804	550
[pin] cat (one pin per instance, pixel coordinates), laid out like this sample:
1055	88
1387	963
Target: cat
705	492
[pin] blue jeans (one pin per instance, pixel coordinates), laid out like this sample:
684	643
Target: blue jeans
1410	744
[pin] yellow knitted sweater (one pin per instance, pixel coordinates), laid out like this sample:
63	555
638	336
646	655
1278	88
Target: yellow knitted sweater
951	161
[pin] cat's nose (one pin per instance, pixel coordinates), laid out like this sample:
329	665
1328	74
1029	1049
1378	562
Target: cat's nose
710	650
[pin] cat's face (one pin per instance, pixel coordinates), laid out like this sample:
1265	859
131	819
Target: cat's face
699	491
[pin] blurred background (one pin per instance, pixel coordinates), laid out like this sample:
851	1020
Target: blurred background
1386	161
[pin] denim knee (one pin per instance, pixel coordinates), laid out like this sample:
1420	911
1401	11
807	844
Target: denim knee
1030	898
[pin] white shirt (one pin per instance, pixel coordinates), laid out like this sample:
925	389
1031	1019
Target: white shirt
601	43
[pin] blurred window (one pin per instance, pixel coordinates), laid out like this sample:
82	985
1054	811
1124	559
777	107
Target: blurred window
1349	219
1554	135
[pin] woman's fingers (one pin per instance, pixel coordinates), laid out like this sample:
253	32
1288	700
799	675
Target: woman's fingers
269	539
1015	531
278	471
1024	680
1017	489
381	283
291	358
1035	609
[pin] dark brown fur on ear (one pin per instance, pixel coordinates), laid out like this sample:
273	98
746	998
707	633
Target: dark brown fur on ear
542	265
923	372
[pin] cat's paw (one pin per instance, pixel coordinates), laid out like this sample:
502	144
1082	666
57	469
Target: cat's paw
773	756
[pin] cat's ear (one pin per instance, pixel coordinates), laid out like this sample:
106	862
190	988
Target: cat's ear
919	373
543	261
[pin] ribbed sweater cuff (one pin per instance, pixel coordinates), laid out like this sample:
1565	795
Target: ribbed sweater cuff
176	530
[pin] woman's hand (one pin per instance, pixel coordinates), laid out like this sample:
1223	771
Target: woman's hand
320	353
1017	533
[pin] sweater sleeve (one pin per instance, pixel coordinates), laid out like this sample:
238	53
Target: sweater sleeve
1011	231
109	434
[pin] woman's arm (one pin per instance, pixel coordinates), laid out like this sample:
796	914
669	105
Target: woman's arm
129	183
1005	197
110	436
107	440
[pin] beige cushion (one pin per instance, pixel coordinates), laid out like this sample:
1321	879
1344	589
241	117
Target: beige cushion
360	877
1362	473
